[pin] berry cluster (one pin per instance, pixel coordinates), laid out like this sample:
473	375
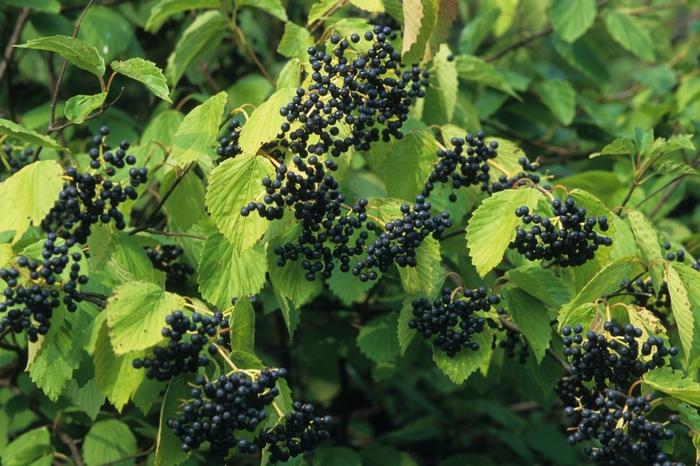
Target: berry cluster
349	97
228	144
603	369
300	431
34	286
91	197
512	341
164	257
224	408
398	244
183	353
12	160
527	173
569	240
451	321
645	296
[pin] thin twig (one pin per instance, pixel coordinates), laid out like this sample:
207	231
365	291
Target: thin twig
510	325
74	452
10	48
251	53
132	457
174	234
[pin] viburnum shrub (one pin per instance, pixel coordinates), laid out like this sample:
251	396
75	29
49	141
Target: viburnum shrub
225	222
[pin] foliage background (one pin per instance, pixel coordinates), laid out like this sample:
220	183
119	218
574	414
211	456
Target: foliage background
557	81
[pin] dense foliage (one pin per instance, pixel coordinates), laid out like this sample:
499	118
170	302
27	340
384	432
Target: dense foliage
225	222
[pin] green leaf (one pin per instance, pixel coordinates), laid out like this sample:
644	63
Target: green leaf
441	93
136	314
195	137
273	7
475	69
108	441
477	29
404	332
16	131
370	6
674	383
559	97
532	318
75	51
585	315
145	72
295	41
289	281
630	34
320	9
224	273
27	448
620	146
682	311
459	368
232	185
492	226
166	8
47	6
185	206
205	32
420	17
542	284
89	397
605	281
168	451
428	275
381	455
378	340
115	375
572	18
31	192
107	30
648	243
348	288
337	456
242	324
264	123
78	107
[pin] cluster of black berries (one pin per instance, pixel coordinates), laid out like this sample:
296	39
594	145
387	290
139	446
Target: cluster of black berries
398	244
528	173
228	144
301	431
645	296
603	369
349	97
223	408
513	342
569	240
13	160
164	257
92	197
451	320
34	288
183	353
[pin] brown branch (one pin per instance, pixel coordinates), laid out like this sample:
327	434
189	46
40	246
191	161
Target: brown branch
520	43
174	234
132	457
10	48
74	452
251	54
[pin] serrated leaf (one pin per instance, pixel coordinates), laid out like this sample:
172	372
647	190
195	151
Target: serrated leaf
585	315
348	288
108	441
75	51
630	34
31	192
78	107
605	281
136	315
16	131
441	93
197	133
224	273
560	97
185	206
168	451
89	397
492	226
428	275
542	284
459	368
232	185
205	32
273	7
682	311
147	73
648	243
404	332
242	324
533	319
674	383
295	41
370	6
289	281
378	339
320	9
475	69
620	146
572	18
27	448
420	17
264	123
166	8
